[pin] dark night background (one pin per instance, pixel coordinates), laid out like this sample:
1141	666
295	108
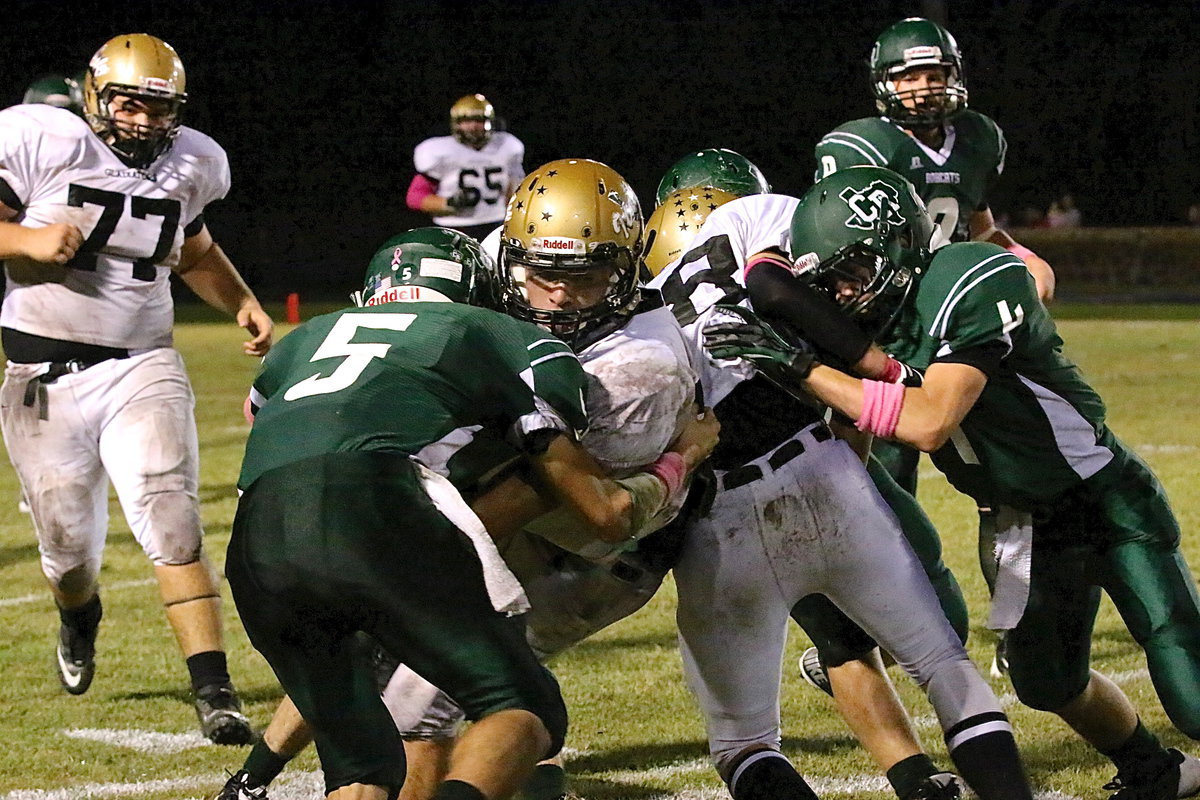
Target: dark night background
319	105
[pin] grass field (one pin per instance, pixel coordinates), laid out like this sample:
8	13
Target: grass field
635	732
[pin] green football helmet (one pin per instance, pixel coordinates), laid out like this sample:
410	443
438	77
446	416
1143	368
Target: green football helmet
911	43
57	91
428	265
720	168
863	236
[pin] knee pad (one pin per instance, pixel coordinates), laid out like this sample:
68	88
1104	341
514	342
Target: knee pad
169	530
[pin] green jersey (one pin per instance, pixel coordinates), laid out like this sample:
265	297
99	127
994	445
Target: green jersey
426	379
1038	428
953	181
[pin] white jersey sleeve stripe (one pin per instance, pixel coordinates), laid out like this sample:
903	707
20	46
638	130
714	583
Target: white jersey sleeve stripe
959	290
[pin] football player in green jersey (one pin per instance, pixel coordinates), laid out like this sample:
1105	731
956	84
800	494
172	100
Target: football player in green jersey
949	152
351	518
1012	423
925	132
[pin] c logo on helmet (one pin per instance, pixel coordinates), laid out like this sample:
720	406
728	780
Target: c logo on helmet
877	206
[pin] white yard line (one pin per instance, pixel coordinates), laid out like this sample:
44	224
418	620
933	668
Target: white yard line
143	741
44	597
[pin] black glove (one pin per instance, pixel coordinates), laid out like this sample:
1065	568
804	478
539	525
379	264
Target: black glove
463	198
756	340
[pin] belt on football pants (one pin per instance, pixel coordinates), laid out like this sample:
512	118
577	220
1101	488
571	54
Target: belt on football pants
748	473
35	390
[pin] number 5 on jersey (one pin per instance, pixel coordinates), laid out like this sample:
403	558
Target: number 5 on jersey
357	354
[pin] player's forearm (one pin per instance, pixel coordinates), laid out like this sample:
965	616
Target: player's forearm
918	419
216	281
14	239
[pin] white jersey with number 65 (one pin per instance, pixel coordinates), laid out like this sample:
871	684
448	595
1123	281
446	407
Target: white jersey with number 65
485	175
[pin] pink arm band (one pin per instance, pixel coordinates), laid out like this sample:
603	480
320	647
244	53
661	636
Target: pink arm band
670	469
766	259
420	188
1020	251
880	407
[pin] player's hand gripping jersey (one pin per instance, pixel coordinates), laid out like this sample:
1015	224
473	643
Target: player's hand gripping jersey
416	378
953	181
115	292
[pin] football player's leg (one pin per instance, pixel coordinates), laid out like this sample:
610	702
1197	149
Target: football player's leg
925	542
53	448
487	668
884	589
864	694
300	608
150	451
732	618
1152	587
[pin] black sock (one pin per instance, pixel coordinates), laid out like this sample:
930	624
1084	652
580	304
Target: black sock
207	668
905	776
767	775
84	619
548	782
1141	753
264	764
458	790
991	766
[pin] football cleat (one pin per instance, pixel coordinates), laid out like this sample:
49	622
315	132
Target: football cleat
75	654
1000	660
240	787
942	786
1178	777
220	714
813	671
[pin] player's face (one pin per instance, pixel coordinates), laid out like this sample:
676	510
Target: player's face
562	290
139	118
921	87
847	281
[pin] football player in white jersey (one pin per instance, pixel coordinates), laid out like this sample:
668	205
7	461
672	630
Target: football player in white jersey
464	180
797	515
641	375
97	215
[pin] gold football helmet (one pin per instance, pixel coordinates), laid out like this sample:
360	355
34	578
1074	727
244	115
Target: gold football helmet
472	108
674	224
146	69
572	220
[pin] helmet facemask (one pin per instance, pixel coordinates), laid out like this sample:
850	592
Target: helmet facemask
866	284
609	274
925	106
138	144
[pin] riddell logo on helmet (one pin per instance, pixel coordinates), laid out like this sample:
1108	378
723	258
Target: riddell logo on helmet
396	294
151	84
557	244
923	53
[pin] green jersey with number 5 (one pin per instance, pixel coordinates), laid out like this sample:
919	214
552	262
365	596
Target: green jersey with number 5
953	181
434	380
1038	428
